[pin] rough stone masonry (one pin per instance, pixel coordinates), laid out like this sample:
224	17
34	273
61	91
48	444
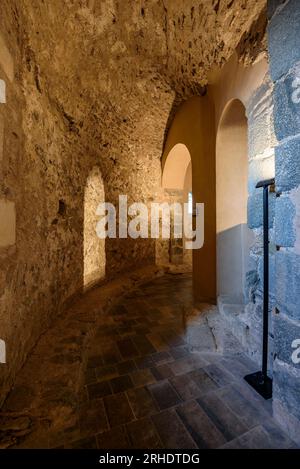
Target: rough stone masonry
284	50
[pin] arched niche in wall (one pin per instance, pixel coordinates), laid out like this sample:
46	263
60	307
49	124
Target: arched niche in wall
193	127
94	247
177	185
232	194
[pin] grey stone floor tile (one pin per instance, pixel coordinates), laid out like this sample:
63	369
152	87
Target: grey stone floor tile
104	373
219	375
249	393
186	364
199	425
118	409
158	343
172	432
236	368
164	394
92	418
99	390
126	367
127	348
116	438
143	434
277	436
142	377
251	414
162	358
256	438
161	372
144	362
121	383
185	386
143	345
142	402
203	381
223	418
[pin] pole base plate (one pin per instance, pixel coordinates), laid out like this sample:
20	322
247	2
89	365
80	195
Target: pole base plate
262	385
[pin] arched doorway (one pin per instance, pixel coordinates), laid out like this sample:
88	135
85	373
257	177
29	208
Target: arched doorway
94	248
194	127
175	168
232	194
177	185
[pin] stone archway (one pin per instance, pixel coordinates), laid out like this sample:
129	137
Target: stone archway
175	168
232	194
194	128
177	185
94	248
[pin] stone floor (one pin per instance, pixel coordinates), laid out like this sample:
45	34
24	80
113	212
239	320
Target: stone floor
161	374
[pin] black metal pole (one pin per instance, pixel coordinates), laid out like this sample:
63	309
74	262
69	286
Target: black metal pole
260	380
266	285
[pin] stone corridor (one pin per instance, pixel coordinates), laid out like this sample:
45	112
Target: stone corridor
155	373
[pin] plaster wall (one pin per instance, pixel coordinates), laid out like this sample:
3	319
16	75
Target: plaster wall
251	86
232	194
194	127
232	90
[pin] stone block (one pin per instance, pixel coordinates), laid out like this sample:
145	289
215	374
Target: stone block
273	5
260	125
272	238
288	283
260	168
285	332
7	223
285	212
272	276
257	97
284	37
272	201
288	422
286	387
295	198
2	92
287	105
256	246
251	284
255	210
287	165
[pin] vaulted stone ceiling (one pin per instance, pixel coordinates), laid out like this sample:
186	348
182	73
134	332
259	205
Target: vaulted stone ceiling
112	71
100	53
